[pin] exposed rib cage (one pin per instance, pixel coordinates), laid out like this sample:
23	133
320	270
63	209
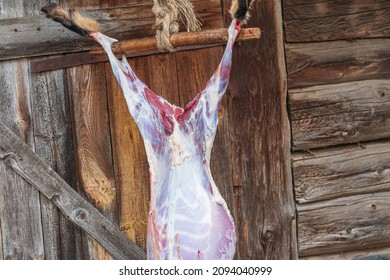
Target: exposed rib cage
188	218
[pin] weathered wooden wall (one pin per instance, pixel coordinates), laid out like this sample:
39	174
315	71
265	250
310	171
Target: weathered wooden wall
335	80
76	120
338	91
260	135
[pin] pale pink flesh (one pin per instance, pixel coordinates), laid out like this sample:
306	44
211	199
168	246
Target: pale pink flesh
188	218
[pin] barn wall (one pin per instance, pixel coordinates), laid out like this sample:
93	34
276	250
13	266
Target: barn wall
335	80
31	226
76	120
339	104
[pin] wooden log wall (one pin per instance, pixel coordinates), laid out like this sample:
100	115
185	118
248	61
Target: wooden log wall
338	92
77	122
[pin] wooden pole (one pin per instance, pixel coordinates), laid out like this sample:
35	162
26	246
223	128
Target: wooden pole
145	46
182	39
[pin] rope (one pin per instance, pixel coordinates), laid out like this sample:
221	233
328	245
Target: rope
167	13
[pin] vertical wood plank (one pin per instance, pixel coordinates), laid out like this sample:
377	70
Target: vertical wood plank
92	136
194	69
130	165
260	135
53	144
19	202
87	90
1	238
49	213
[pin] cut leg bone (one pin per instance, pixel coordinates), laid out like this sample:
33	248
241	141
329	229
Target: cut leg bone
188	218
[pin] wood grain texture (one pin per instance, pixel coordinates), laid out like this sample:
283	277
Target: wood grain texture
339	114
376	253
1	238
91	177
337	225
53	144
310	21
311	64
87	90
260	135
130	163
342	171
23	37
22	8
82	58
24	162
19	204
180	40
20	219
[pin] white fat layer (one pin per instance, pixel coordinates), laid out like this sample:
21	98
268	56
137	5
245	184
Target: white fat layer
180	150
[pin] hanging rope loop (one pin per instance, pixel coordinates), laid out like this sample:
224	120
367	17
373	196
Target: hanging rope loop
167	13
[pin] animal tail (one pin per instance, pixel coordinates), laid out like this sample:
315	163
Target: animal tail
71	19
240	9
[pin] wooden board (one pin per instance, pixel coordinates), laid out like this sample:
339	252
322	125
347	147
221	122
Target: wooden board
129	157
19	203
309	21
314	64
260	139
338	114
53	144
87	90
37	36
337	225
1	238
18	114
380	253
342	171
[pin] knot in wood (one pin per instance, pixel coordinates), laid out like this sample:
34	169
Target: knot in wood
352	132
80	214
382	92
269	235
380	169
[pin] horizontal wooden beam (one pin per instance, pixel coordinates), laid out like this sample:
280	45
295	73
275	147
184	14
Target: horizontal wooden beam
333	62
381	253
146	46
75	208
337	225
183	39
341	171
343	113
39	36
309	21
